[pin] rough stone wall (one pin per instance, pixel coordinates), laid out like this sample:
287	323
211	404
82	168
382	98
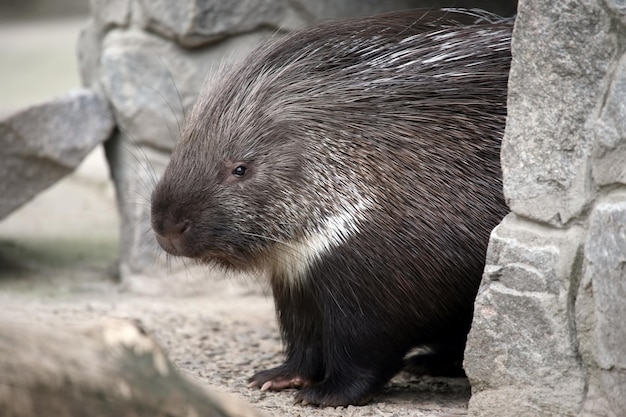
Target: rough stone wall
549	330
149	59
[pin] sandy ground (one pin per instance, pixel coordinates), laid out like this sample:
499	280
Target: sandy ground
57	257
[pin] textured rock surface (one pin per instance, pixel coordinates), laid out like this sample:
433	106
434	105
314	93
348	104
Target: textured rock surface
111	12
194	23
605	276
609	153
197	22
549	337
523	333
150	81
43	143
562	51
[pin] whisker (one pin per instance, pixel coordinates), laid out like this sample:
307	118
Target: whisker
144	161
269	238
163	114
180	99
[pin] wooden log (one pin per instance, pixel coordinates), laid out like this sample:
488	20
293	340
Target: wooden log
111	369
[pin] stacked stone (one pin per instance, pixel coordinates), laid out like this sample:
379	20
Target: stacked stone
549	330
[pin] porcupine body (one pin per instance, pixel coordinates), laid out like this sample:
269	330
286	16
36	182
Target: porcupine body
356	164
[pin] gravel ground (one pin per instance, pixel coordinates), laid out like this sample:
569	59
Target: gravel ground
57	256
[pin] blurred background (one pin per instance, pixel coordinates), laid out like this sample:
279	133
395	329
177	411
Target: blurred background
71	229
42	9
37	48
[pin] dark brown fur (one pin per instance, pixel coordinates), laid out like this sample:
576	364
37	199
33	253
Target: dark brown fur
356	163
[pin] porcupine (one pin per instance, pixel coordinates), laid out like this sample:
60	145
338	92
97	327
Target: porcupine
356	163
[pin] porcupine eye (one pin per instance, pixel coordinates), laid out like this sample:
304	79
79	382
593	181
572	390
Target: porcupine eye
240	171
237	172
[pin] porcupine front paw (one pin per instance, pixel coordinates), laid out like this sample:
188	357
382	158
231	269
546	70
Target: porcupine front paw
277	379
330	394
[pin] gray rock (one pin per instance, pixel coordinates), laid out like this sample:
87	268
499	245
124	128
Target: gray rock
618	7
41	144
609	153
192	23
521	334
105	16
561	54
548	335
605	268
151	83
111	12
196	22
314	11
88	54
135	169
136	72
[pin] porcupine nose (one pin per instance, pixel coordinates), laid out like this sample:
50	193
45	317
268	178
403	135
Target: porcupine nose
171	234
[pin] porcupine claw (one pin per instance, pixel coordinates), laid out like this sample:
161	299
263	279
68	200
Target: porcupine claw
277	380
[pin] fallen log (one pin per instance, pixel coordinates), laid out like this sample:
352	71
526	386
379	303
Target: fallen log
111	369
